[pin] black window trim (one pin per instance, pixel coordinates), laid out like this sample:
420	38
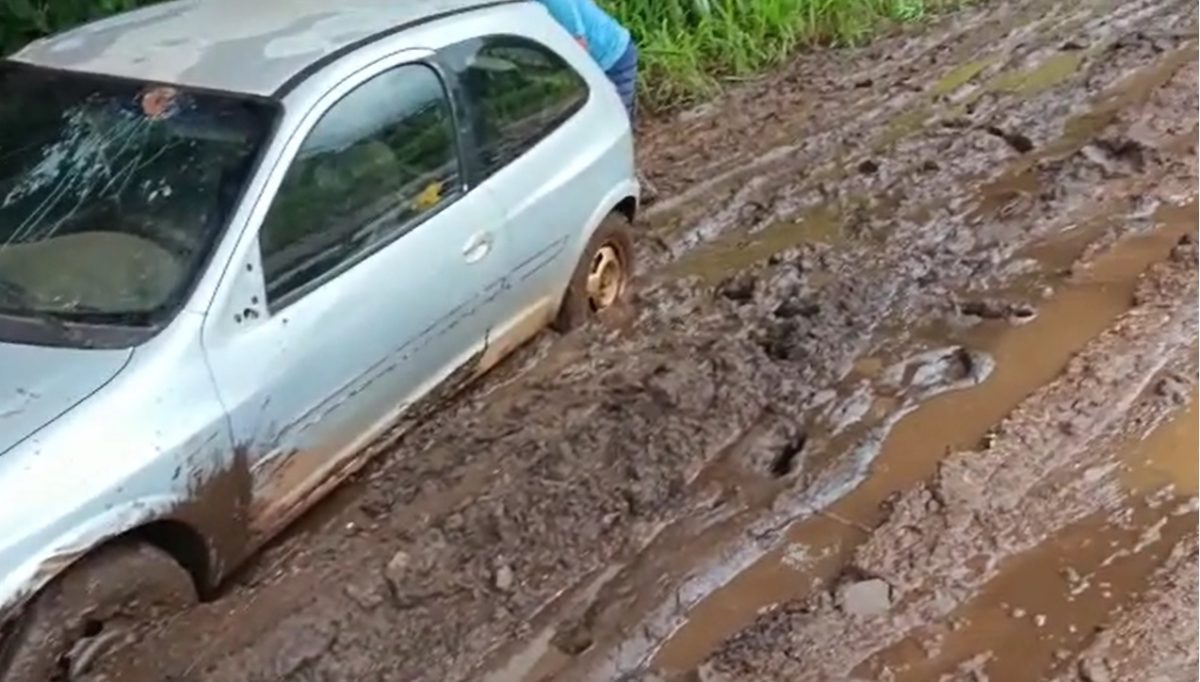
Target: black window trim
303	74
476	173
278	305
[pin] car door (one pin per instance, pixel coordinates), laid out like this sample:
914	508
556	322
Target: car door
378	269
522	97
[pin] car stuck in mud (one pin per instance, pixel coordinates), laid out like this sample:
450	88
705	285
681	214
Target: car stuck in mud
227	267
909	393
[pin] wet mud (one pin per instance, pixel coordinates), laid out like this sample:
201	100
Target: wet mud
908	386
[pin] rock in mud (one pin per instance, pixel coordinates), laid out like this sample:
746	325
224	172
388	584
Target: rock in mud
1094	671
505	578
397	567
991	309
366	596
865	598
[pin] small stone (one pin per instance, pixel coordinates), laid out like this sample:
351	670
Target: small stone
366	597
505	578
1094	671
397	567
1039	620
866	598
1018	613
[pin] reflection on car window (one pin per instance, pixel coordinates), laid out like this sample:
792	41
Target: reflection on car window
379	160
113	192
520	92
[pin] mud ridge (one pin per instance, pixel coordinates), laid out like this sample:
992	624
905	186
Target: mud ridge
943	541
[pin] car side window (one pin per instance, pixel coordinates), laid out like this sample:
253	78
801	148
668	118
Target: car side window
380	160
518	92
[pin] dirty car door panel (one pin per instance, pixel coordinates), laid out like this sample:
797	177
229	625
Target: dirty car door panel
523	98
378	269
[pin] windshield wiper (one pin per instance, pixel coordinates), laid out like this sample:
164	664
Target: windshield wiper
16	295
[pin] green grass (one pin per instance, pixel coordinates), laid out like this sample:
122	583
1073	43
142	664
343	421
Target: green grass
689	47
24	20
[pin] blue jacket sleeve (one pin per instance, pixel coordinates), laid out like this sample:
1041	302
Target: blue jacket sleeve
566	12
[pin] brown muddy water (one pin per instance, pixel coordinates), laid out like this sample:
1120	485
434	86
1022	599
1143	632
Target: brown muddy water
1027	356
1045	604
1041	608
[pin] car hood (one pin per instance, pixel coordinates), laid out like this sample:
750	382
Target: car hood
38	384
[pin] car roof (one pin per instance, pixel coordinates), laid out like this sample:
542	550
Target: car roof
246	46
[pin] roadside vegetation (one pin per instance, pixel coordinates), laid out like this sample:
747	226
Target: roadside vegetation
689	47
25	20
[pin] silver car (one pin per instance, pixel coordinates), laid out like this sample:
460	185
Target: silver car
239	243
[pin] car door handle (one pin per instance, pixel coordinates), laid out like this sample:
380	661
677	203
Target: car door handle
478	247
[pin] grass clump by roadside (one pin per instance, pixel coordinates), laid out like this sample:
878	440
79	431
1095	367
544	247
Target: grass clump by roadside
688	47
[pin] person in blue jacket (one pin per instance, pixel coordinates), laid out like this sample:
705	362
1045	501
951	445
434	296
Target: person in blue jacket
605	39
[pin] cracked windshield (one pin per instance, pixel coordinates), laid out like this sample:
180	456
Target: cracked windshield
112	192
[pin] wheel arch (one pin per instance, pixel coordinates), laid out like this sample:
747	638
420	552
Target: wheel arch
183	541
627	207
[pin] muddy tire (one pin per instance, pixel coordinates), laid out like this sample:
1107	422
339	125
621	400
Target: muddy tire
601	278
92	609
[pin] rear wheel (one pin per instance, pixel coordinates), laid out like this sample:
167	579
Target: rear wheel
91	610
602	276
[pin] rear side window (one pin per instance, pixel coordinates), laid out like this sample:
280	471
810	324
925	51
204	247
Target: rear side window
518	92
378	162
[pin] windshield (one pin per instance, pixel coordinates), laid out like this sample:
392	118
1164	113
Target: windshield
113	192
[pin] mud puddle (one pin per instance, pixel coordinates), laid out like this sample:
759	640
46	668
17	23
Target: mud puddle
1027	356
1046	604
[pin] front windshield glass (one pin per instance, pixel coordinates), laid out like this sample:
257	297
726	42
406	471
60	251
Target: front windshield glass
113	192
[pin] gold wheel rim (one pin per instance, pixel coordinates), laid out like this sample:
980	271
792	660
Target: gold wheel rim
606	278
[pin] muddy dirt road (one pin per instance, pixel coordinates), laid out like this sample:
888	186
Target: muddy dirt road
908	393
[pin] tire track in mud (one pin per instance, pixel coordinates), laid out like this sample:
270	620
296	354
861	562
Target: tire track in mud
1114	306
1046	469
901	456
544	506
